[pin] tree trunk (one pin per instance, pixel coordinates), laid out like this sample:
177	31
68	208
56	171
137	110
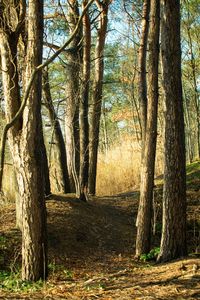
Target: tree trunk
142	55
143	239
72	100
173	242
84	125
25	137
196	92
97	94
45	166
59	149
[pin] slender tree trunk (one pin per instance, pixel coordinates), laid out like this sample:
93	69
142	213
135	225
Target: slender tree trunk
188	130
97	94
143	239
105	131
72	99
60	151
84	125
142	55
142	77
173	242
196	92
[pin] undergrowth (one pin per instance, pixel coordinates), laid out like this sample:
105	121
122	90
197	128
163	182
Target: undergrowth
11	281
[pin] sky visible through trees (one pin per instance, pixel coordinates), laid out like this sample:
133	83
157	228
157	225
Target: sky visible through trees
92	89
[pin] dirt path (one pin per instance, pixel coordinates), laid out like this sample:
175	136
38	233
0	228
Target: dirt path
91	254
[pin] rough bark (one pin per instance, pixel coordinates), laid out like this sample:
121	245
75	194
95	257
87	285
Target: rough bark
25	136
83	117
143	239
173	242
72	99
97	94
59	148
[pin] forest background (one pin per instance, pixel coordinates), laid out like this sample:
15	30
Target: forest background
89	86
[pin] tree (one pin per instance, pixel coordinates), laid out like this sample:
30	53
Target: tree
25	136
62	176
97	92
73	99
143	239
190	67
142	55
24	126
173	242
84	101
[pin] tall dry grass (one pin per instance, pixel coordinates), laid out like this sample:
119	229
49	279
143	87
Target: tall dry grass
118	170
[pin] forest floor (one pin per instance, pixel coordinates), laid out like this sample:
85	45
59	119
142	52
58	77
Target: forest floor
91	251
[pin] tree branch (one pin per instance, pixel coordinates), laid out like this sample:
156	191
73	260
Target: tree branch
29	86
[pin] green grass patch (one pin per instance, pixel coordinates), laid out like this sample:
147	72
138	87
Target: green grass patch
193	175
152	255
12	282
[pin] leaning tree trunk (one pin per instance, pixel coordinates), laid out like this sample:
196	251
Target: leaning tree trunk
97	94
25	136
143	239
72	99
173	242
62	176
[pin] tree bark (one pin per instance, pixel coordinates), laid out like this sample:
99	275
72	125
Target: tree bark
59	149
173	242
97	94
72	100
45	166
196	92
143	239
142	57
84	125
25	136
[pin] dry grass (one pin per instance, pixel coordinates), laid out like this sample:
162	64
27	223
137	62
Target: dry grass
118	170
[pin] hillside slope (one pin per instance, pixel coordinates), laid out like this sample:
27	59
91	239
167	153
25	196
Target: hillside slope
91	251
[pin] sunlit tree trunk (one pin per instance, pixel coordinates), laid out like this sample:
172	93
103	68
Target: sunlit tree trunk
173	242
142	57
84	125
143	239
25	136
72	99
97	94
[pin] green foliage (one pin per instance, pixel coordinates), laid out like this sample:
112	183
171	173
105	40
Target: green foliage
12	282
193	167
152	255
